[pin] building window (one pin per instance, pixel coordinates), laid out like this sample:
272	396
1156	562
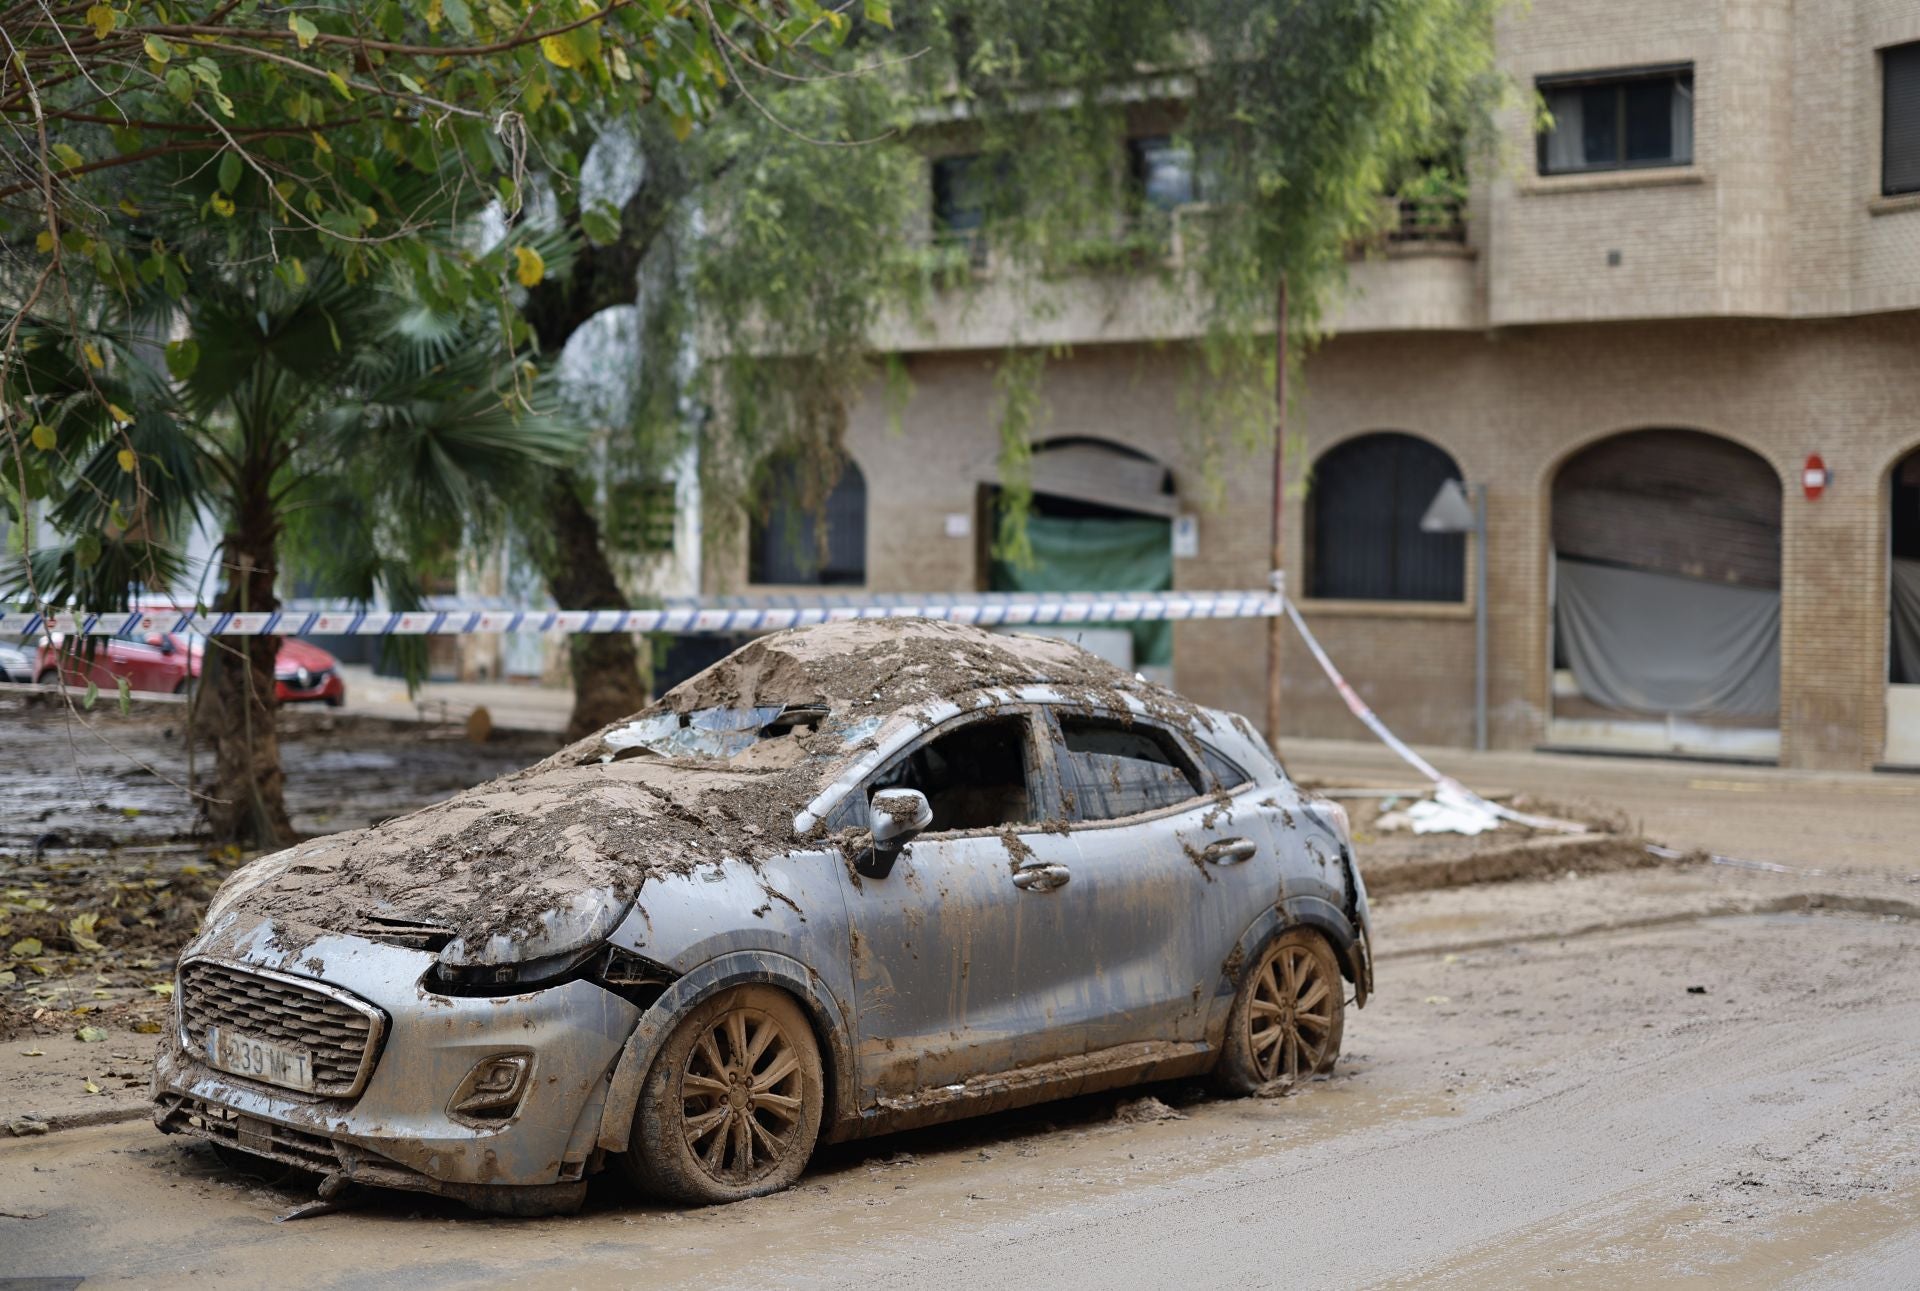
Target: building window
1900	123
1618	120
1364	507
785	545
1163	172
959	202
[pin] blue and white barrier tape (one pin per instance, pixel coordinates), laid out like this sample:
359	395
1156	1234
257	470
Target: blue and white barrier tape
984	610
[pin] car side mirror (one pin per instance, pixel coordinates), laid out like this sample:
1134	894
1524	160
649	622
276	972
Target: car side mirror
896	817
161	642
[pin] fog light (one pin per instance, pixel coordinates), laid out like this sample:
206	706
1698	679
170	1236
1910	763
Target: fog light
492	1089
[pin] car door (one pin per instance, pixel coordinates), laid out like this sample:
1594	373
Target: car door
143	665
1165	876
937	946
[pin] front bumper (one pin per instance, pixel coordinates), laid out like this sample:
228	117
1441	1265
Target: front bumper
398	1132
330	688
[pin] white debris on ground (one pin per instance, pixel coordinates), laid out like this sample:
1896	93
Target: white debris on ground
1441	814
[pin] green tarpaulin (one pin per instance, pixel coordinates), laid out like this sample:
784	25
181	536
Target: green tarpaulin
1131	555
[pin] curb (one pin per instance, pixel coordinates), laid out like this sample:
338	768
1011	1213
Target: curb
1589	853
82	1120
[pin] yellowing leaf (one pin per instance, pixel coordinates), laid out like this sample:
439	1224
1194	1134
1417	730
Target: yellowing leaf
148	1026
90	1035
158	50
129	209
222	206
25	948
339	84
560	51
68	156
44	243
43	439
303	30
33	1053
320	141
127	459
80	929
120	415
91	1087
163	989
93	354
102	19
529	268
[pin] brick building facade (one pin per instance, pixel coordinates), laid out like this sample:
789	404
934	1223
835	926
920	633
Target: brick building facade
1721	246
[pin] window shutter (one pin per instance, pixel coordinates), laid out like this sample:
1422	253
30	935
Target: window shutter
1900	132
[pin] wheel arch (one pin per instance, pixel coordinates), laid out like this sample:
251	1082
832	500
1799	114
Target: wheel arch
737	968
1315	912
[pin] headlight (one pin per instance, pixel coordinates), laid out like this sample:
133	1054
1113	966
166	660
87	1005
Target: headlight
562	943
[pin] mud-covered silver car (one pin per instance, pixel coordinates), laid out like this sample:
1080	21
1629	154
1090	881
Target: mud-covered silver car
850	879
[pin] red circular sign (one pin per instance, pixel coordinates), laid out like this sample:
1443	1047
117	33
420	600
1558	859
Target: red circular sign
1813	477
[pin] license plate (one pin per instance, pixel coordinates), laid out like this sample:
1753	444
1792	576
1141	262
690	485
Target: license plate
245	1055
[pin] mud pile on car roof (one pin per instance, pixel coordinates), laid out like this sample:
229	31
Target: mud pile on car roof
593	817
878	665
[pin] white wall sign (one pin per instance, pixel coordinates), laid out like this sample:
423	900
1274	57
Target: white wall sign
1186	537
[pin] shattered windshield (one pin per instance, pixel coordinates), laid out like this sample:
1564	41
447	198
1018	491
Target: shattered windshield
726	733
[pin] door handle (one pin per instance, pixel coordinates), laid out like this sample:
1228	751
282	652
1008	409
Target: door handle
1041	878
1229	851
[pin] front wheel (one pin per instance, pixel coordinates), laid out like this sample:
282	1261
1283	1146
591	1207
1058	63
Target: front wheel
733	1103
1287	1017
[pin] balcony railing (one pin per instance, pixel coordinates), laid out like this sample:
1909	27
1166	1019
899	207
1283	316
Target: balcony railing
1419	221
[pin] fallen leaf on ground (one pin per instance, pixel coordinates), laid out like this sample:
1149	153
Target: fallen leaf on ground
25	948
89	1035
33	1053
91	1087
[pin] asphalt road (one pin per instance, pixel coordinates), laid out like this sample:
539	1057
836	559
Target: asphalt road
1537	1093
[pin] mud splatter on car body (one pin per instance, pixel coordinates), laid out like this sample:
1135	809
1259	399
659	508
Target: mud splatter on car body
525	949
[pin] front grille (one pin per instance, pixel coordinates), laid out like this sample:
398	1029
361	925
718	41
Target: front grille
341	1033
251	1134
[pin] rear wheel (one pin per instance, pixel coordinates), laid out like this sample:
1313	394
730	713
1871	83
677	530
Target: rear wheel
733	1103
48	677
1288	1016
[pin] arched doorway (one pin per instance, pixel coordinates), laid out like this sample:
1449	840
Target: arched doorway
1101	521
1666	597
1903	613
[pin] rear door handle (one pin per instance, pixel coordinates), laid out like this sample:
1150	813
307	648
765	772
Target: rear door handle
1229	851
1041	878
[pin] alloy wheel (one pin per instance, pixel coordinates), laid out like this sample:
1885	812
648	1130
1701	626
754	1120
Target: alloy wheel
741	1097
1290	1017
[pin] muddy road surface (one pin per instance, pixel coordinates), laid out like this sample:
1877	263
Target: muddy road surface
1700	1075
83	781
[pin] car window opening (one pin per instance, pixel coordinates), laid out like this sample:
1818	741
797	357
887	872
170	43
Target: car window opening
1109	770
722	733
974	778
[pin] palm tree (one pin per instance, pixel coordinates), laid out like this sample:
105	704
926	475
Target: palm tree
296	398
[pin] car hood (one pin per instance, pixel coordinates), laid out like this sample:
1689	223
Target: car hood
295	653
538	864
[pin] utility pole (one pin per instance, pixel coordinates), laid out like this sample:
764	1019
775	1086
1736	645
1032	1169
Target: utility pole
1277	625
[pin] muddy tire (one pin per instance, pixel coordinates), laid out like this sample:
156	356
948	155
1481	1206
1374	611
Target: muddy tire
732	1105
1287	1016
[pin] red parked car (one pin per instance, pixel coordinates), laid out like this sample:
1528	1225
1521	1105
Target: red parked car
169	663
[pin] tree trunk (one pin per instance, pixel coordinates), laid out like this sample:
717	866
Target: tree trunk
608	683
247	801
